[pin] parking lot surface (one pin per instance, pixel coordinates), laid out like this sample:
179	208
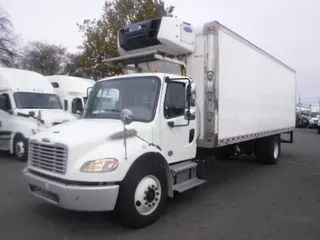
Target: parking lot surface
242	200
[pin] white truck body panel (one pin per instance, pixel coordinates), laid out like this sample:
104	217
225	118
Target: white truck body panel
256	93
253	92
70	84
23	81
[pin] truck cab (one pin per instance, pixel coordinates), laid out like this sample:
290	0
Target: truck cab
133	128
72	92
28	104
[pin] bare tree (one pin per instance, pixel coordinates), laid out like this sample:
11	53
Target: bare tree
8	41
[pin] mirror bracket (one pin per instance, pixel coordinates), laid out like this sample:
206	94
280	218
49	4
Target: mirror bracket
126	117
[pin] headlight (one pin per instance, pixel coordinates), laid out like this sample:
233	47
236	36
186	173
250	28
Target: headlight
100	165
34	131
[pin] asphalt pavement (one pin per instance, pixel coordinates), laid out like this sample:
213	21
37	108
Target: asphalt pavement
242	200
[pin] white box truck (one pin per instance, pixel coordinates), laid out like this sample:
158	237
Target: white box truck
215	94
72	92
28	104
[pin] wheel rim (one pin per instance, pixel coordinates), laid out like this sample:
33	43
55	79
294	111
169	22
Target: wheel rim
147	195
276	150
20	150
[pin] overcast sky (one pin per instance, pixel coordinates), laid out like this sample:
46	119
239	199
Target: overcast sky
288	29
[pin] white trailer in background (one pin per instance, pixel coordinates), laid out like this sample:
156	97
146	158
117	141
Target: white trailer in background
28	104
216	95
72	91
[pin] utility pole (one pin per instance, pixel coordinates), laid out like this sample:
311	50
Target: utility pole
299	103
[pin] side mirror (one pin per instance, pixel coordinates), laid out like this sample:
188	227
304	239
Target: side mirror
2	103
188	97
188	115
73	106
76	106
126	116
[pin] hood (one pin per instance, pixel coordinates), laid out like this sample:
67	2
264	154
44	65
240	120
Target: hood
51	116
90	131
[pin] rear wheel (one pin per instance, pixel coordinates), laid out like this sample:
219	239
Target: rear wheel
143	195
223	153
268	149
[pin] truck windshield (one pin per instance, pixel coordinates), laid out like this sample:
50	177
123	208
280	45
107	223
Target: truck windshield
314	114
109	97
36	100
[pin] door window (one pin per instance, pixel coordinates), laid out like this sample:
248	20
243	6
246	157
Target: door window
175	100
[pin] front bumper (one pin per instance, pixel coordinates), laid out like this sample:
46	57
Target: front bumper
73	197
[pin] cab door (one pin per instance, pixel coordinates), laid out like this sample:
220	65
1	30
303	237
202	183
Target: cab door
178	134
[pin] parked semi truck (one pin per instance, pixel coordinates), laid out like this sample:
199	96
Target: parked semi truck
72	91
193	93
28	104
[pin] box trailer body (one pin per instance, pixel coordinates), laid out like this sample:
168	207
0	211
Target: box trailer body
250	94
192	94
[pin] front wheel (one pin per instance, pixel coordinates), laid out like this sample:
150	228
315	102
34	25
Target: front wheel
318	130
20	148
143	194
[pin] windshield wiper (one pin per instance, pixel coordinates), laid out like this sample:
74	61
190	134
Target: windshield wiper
28	115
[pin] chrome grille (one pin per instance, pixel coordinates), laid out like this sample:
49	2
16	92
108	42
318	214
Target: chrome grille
51	158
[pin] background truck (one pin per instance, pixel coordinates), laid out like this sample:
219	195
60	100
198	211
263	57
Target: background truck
302	117
192	93
72	91
314	115
28	104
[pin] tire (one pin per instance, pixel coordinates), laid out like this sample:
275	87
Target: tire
20	148
222	156
143	194
268	150
318	130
